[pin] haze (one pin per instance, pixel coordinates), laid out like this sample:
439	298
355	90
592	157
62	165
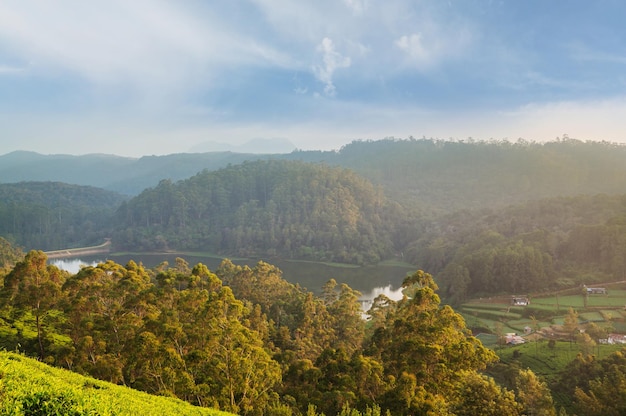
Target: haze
156	77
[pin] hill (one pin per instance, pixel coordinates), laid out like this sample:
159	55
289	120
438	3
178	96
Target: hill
290	209
29	387
436	174
550	244
51	215
123	175
449	176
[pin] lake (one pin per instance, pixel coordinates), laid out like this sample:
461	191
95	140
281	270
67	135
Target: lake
371	281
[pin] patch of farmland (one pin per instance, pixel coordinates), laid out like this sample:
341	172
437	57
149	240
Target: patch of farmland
590	317
491	313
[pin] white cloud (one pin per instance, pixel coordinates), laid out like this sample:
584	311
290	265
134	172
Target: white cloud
413	46
142	43
440	38
357	6
8	69
331	61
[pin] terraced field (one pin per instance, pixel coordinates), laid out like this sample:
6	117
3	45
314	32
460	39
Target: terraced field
546	313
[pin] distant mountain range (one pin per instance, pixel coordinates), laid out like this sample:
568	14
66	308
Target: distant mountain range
258	145
440	175
125	175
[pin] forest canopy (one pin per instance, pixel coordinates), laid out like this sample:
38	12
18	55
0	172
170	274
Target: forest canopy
289	209
207	338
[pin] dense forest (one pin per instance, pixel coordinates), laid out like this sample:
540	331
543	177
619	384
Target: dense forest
449	176
245	340
53	215
549	244
483	217
266	208
438	174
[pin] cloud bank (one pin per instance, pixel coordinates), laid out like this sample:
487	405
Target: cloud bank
153	76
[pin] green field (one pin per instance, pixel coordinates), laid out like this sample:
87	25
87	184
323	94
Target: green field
498	315
547	361
29	387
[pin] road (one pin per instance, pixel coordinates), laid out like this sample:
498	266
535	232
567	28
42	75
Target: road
81	251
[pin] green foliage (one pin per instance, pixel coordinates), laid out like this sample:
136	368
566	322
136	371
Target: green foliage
534	394
537	246
53	215
28	387
180	332
9	255
263	208
597	385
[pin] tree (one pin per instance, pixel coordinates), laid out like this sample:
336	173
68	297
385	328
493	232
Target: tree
476	394
570	324
346	316
426	346
233	364
606	396
107	307
34	286
9	256
534	395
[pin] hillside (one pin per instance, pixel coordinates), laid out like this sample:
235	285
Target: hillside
550	244
434	174
426	201
52	215
29	387
128	176
449	176
290	209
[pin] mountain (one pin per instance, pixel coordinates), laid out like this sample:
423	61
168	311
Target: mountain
434	174
124	175
258	145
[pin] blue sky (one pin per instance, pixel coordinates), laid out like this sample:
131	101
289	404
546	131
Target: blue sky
149	77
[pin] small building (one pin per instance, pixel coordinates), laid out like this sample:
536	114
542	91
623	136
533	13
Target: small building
520	301
616	339
514	339
596	290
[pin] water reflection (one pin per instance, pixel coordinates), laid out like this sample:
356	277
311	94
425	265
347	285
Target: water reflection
368	298
371	281
72	265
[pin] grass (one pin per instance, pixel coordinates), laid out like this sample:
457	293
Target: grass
548	310
549	362
496	315
29	387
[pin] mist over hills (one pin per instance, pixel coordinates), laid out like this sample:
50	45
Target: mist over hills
439	175
120	174
448	207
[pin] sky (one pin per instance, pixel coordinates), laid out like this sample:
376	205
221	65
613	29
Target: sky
152	77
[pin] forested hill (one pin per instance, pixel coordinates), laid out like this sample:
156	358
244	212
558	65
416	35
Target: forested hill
124	175
545	245
437	174
53	215
449	176
284	208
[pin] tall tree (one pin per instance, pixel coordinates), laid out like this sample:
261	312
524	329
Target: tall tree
534	395
34	286
427	345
